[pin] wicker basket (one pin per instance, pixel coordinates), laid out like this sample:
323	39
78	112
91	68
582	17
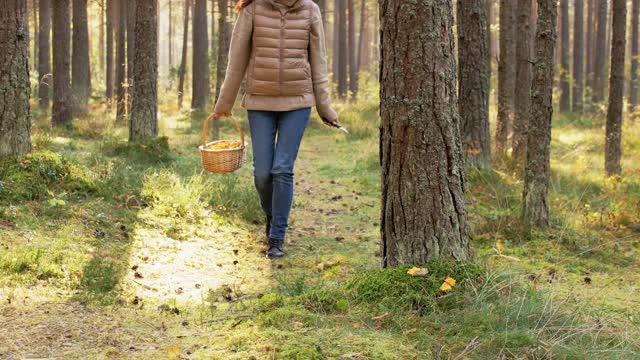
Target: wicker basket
222	161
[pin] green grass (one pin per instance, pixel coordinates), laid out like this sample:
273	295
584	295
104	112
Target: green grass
137	237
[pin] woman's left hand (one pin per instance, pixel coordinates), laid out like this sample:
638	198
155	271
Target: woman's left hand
333	123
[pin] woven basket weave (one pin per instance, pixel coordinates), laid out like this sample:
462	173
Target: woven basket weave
222	161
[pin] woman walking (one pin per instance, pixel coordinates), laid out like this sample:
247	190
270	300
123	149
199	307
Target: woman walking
279	45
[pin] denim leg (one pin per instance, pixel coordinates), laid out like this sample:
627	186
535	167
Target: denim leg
291	126
262	125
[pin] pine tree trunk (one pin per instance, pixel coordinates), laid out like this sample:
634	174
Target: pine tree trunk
489	16
342	49
200	67
578	56
537	168
565	71
473	69
364	47
421	151
506	74
613	149
183	61
523	80
110	23
121	61
600	52
170	34
334	40
131	46
224	40
61	111
352	49
35	35
81	70
590	45
143	122
633	80
44	54
213	37
101	45
15	117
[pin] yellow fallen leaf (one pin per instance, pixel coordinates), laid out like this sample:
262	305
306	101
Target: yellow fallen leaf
417	271
447	284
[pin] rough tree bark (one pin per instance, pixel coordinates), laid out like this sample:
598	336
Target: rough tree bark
224	41
341	38
109	55
473	69
537	168
61	111
143	122
131	46
523	80
352	49
633	80
613	149
565	71
200	66
488	11
121	62
15	118
578	56
421	151
80	67
506	74
44	54
183	61
600	54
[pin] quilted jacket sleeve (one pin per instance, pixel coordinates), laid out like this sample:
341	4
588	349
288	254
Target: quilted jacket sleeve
318	60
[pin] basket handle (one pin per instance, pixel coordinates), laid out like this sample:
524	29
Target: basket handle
206	124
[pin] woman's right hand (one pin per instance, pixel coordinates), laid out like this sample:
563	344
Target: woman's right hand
222	114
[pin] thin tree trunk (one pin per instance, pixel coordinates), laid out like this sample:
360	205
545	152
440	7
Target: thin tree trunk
537	168
600	53
473	70
506	74
578	56
35	35
613	148
352	49
131	46
421	151
110	23
144	108
334	40
364	47
565	71
15	117
488	11
101	36
80	69
44	54
590	45
200	66
121	61
170	35
61	111
224	40
633	80
342	50
523	80
183	61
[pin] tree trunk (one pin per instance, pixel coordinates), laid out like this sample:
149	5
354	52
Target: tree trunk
489	16
35	35
506	74
590	45
200	66
537	168
101	36
224	40
44	54
15	118
364	47
80	69
352	49
110	23
565	71
121	61
600	53
170	34
144	107
633	81
131	46
61	111
334	40
578	56
341	38
213	38
183	61
473	69
421	151
523	80
613	150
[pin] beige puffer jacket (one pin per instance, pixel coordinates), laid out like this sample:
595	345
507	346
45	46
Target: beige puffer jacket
279	45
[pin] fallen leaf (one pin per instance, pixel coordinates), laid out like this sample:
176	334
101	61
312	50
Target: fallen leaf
447	284
499	247
414	271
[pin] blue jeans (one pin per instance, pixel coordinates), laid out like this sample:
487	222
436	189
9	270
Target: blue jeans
273	161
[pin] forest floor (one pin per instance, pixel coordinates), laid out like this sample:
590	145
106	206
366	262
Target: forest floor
110	250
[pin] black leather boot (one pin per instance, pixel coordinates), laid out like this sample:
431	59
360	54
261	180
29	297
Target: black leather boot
276	248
